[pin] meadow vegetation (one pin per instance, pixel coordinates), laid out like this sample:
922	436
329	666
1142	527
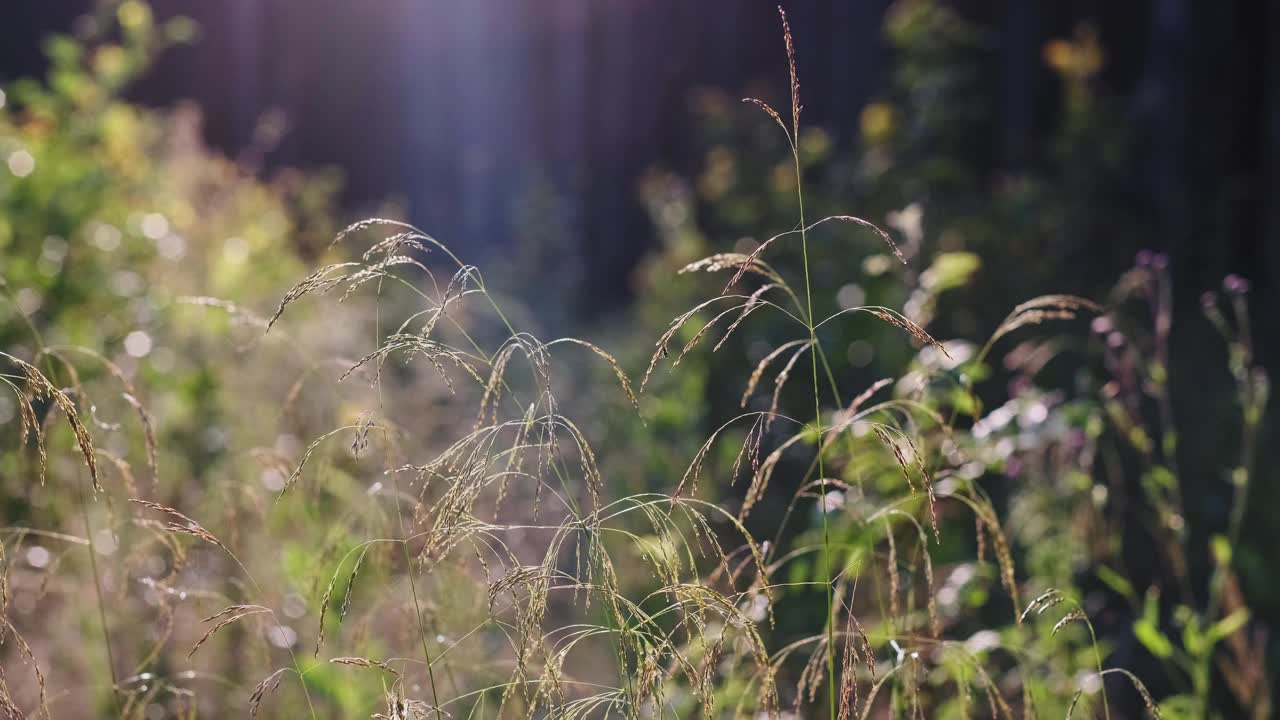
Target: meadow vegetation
254	464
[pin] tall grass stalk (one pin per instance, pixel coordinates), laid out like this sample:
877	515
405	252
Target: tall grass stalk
97	591
815	350
83	504
403	535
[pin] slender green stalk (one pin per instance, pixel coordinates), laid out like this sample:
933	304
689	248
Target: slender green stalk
817	420
404	543
422	631
97	589
1097	659
793	137
1253	400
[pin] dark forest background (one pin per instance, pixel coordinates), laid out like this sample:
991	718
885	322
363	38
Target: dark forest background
452	106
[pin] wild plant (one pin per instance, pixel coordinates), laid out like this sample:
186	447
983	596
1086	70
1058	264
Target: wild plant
470	554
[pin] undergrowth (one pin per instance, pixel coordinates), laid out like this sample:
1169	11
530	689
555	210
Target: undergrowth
456	548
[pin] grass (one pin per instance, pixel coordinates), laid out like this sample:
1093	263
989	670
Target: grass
490	568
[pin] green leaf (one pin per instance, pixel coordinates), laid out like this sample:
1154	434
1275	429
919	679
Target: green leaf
1221	548
1152	639
1193	639
1147	629
1159	375
1163	478
953	269
1117	582
1228	625
1180	707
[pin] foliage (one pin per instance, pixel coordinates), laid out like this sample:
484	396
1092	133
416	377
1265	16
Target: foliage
410	499
1053	447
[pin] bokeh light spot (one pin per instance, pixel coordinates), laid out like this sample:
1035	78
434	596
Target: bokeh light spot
21	163
137	344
